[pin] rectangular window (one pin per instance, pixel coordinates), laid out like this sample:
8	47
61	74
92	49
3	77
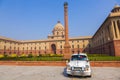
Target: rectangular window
39	48
72	46
45	47
83	45
14	48
61	46
10	47
23	48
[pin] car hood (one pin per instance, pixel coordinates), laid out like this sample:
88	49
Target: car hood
78	63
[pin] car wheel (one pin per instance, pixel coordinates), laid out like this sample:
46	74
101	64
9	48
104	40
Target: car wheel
90	76
69	75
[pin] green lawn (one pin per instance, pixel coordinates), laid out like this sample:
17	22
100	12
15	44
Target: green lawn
32	59
102	57
92	57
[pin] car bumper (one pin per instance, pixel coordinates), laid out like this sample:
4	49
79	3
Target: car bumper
79	73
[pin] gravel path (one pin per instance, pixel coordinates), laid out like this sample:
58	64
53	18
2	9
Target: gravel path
54	73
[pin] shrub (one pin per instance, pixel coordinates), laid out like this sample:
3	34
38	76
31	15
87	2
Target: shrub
51	55
5	55
39	55
97	55
13	55
1	56
23	55
56	55
60	55
45	55
30	55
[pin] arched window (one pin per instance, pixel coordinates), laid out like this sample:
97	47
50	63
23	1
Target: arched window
72	46
35	48
4	47
57	33
78	46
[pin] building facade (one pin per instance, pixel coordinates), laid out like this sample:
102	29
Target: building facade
106	40
54	44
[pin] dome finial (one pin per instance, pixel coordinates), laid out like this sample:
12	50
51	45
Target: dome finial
58	22
116	5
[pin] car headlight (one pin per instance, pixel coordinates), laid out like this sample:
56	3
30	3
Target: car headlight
86	67
68	67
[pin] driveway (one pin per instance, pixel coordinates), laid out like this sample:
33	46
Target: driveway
54	73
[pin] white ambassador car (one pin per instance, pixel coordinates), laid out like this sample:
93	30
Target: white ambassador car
79	65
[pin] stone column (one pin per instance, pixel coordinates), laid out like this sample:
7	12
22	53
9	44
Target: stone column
113	30
67	52
117	30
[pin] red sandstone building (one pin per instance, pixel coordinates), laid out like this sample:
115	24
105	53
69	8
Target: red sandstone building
106	40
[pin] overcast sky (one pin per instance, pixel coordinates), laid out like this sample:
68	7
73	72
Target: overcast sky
35	19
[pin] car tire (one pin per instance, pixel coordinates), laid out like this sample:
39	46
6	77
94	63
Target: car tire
89	76
69	75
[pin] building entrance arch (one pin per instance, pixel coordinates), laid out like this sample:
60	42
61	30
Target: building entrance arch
53	47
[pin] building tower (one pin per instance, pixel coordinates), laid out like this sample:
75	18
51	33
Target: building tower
67	52
115	31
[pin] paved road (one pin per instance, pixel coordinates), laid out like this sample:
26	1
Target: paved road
54	73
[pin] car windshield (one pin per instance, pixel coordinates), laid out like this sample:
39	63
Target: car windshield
78	57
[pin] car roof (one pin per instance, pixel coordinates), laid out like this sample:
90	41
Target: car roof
79	54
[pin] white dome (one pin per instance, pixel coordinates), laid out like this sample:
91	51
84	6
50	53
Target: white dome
116	6
58	26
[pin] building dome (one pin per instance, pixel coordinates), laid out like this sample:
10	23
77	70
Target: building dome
58	27
115	10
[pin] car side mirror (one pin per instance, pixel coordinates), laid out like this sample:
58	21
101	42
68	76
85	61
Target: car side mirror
87	60
67	61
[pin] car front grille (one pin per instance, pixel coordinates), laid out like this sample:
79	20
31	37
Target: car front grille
77	68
